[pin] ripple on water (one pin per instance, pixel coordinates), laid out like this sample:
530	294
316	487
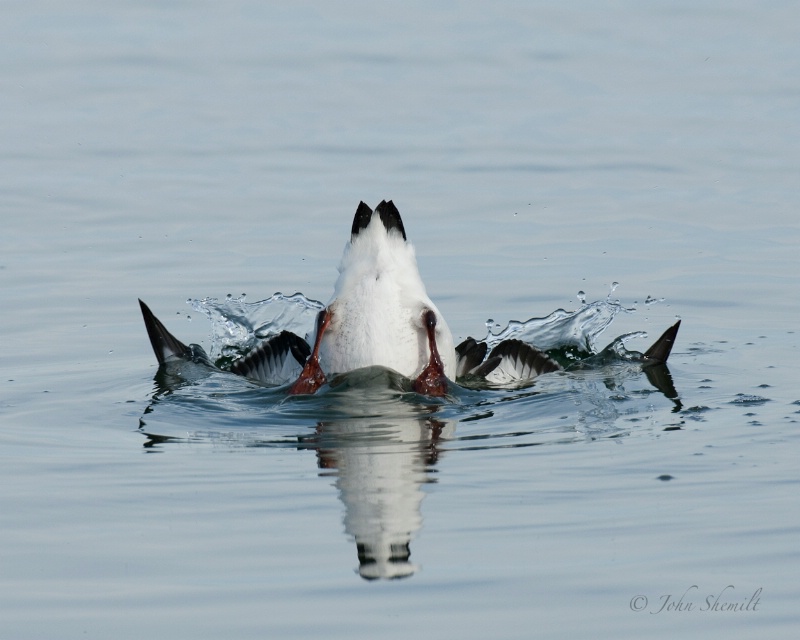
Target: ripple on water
749	400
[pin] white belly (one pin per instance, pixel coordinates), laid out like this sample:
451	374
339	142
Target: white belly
387	332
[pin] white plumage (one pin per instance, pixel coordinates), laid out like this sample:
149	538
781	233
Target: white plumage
377	308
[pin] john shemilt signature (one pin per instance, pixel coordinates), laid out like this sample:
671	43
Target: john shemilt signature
690	601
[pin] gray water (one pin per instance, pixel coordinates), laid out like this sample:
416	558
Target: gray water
171	151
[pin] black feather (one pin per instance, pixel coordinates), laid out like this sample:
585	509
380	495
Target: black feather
659	352
361	219
526	356
266	360
487	367
164	344
470	354
390	217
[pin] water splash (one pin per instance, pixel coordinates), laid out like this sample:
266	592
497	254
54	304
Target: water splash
562	329
599	395
616	352
237	325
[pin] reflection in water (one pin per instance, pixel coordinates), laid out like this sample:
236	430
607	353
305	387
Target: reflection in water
381	450
381	442
378	440
659	376
380	469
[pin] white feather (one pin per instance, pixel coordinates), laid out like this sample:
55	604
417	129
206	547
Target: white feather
377	309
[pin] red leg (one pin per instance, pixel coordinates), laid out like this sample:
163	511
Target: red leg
432	381
312	377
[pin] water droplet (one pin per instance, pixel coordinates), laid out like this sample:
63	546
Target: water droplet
582	296
614	286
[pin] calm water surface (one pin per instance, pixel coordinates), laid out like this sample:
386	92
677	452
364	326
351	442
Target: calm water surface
187	151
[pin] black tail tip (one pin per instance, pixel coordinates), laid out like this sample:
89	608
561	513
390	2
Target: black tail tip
390	217
362	218
659	352
164	344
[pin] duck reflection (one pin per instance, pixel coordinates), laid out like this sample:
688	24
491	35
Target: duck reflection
380	468
379	441
380	459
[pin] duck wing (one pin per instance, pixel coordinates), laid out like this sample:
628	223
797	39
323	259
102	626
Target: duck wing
469	355
513	361
275	361
509	362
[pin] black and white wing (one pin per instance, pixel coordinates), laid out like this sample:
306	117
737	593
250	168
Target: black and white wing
510	362
275	361
469	355
514	361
